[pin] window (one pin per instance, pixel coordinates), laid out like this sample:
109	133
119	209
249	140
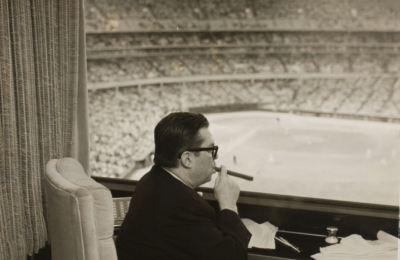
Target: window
306	108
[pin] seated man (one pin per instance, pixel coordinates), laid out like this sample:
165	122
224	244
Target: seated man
167	218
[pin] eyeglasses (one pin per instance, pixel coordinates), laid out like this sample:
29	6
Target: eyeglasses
214	151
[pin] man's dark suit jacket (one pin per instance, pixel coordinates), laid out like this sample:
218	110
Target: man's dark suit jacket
169	220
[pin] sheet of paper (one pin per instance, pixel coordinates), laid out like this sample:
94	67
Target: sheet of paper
263	235
385	237
355	247
384	256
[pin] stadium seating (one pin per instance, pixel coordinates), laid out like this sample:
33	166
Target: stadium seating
103	15
122	121
355	73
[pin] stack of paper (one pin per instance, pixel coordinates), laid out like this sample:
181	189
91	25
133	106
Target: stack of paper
355	247
262	234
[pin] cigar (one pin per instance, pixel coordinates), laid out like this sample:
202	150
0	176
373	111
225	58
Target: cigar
236	174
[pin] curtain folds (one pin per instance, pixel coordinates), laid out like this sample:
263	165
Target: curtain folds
40	66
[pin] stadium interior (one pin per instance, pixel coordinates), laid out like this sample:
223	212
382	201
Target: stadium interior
312	59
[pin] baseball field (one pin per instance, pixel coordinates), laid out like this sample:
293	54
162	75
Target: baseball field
328	158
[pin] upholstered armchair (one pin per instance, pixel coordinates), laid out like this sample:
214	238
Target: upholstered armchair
81	213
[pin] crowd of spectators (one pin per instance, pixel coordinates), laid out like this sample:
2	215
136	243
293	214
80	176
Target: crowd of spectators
215	39
120	70
107	15
121	127
122	120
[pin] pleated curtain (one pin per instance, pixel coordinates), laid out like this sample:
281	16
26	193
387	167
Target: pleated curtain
43	111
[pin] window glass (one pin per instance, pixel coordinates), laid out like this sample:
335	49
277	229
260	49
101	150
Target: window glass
303	100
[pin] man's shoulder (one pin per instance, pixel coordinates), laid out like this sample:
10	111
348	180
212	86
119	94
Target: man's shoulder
159	190
163	184
156	176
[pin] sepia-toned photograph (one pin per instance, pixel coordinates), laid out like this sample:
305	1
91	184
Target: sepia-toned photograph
188	129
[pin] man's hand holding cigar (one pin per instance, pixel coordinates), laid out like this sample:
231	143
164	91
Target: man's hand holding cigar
226	191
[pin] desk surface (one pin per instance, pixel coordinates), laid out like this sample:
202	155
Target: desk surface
308	244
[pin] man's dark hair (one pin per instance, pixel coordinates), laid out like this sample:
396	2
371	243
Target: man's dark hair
176	133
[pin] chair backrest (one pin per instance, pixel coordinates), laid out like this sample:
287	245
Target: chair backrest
81	214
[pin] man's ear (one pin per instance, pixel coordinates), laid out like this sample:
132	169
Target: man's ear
186	160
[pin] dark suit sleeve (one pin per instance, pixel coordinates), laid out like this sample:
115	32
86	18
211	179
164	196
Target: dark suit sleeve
192	232
230	224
